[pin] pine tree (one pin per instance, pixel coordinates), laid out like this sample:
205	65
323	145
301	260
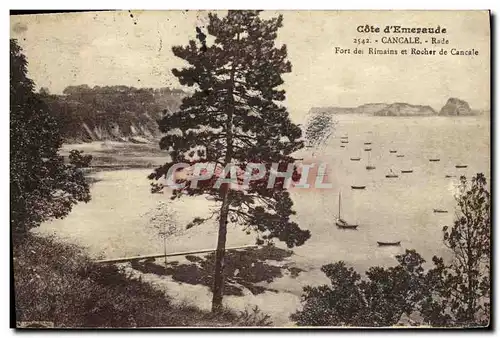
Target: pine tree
42	185
463	285
234	118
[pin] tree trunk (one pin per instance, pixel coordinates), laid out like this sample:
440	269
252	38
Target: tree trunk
471	299
218	286
470	312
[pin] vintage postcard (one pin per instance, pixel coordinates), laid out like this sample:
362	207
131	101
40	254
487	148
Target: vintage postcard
250	169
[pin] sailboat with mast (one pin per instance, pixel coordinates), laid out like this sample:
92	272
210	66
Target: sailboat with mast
391	174
369	166
341	223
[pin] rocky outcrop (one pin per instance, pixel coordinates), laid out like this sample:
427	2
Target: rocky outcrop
368	108
456	107
453	107
371	108
379	109
405	109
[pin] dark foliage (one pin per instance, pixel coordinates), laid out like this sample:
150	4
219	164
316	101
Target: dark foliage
58	283
235	94
254	317
234	118
42	185
379	300
461	289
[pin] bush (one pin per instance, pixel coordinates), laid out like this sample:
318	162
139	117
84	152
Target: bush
380	300
253	317
58	283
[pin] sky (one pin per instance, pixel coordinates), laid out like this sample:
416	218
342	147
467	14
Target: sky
134	49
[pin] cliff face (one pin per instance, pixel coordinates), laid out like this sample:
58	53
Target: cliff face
405	109
136	130
456	107
111	113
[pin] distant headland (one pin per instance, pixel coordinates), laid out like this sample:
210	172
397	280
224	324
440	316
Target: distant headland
452	107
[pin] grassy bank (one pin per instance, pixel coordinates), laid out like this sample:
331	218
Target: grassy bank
58	283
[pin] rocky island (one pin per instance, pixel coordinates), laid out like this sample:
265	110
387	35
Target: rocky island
453	107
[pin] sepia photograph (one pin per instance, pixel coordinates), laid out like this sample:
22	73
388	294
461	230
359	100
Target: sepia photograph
250	168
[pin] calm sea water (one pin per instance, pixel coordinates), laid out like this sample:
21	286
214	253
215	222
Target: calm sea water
117	221
390	209
124	218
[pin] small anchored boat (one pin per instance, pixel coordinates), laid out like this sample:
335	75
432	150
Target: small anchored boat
367	143
344	225
461	166
393	151
434	160
391	174
368	149
358	187
342	146
343	141
407	171
370	166
355	158
440	211
380	243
